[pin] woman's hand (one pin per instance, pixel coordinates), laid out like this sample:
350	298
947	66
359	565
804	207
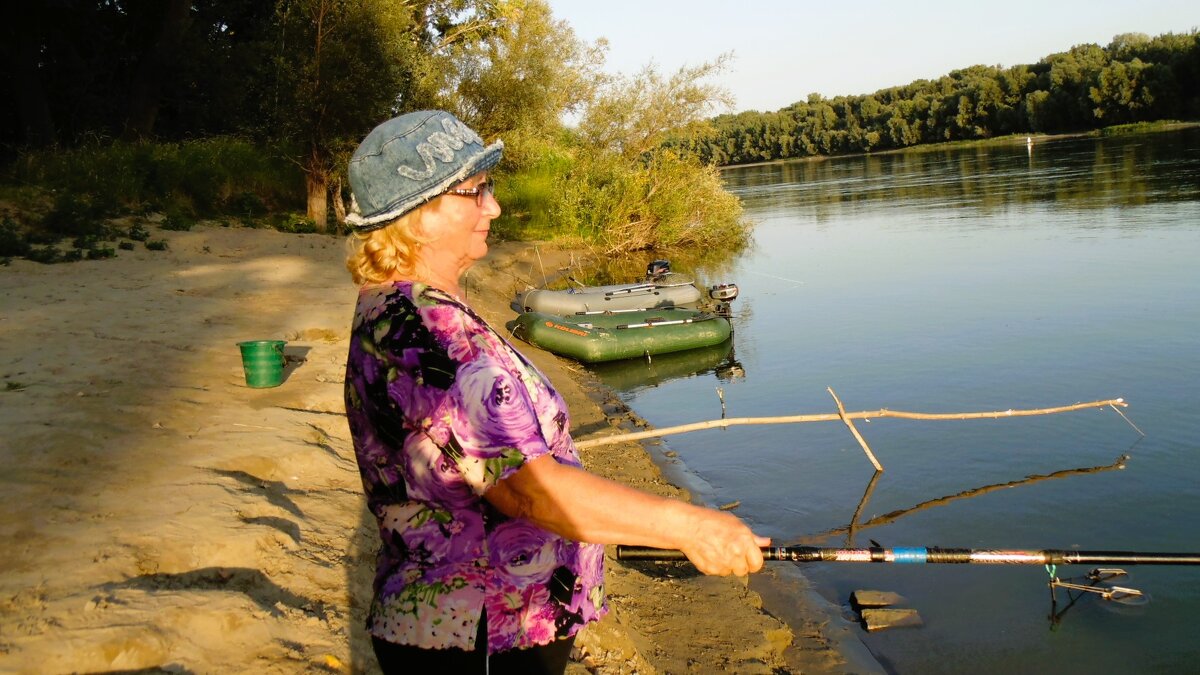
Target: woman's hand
720	543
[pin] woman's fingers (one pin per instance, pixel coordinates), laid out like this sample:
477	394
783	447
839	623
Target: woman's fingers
722	544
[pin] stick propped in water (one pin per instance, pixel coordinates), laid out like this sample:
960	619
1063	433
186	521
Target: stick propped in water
846	417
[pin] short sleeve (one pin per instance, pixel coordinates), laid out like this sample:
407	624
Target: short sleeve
493	421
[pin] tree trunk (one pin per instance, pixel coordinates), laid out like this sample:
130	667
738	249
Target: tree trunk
317	183
339	206
146	88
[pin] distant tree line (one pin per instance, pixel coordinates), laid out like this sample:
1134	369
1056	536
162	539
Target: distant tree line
1135	78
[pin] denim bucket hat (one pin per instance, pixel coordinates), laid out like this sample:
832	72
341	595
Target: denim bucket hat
409	160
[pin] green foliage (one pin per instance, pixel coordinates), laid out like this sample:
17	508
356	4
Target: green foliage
1135	78
125	246
156	244
46	255
633	116
294	223
611	186
525	71
77	214
13	241
1138	127
247	206
138	232
259	100
209	177
178	220
667	202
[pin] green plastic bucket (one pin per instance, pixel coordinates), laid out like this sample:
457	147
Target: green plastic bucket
263	362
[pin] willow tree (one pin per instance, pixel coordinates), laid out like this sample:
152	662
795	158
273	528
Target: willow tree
522	76
634	115
634	191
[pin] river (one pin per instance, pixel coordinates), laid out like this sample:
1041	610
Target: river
965	280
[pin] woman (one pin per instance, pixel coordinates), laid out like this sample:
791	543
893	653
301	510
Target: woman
492	533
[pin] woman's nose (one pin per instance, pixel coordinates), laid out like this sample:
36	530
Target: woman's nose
491	207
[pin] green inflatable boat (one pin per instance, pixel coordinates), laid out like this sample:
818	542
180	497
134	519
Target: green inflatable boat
610	336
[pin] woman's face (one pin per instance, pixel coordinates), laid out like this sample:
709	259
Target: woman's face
459	224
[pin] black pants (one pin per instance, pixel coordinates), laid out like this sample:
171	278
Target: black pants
548	659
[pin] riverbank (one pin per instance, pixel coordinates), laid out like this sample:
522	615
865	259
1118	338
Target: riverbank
1028	139
164	517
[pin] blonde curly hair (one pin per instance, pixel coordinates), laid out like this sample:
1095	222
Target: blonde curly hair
375	256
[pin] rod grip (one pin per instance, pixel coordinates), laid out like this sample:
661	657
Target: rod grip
648	553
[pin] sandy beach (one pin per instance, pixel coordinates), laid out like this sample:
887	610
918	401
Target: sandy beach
161	516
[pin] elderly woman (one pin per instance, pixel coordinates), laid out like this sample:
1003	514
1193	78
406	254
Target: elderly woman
492	533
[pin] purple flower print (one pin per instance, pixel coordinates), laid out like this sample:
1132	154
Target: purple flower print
433	477
590	564
522	553
371	303
492	412
446	324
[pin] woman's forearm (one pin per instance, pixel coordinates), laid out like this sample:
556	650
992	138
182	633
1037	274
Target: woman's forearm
582	506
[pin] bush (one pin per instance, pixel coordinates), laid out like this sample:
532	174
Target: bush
666	202
178	220
294	223
528	196
138	232
13	241
247	205
157	245
77	214
46	255
125	246
208	176
101	253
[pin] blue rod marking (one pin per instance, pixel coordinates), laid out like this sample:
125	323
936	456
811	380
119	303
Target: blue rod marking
910	555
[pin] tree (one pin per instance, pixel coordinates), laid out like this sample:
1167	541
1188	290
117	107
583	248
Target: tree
524	72
632	116
342	67
153	68
1121	92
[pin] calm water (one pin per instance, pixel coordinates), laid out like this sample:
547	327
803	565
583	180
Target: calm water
969	280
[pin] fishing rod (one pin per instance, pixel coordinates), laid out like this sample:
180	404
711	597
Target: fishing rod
934	555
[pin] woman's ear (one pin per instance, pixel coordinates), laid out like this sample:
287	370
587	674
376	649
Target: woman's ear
425	228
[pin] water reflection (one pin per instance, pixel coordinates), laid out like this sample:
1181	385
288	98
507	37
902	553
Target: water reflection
634	375
854	527
1083	174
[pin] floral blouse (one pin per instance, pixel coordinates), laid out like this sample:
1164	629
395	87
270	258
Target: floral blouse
441	408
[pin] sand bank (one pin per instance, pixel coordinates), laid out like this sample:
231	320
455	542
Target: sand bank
160	516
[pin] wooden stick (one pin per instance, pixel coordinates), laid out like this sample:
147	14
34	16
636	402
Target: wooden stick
833	417
857	436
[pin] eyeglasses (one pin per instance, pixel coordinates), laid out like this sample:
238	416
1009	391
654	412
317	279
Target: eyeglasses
487	187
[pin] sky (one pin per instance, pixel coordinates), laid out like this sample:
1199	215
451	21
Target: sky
783	50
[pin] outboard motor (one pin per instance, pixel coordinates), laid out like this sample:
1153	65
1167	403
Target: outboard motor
657	269
723	294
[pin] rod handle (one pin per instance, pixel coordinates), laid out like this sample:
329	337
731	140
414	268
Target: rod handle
648	553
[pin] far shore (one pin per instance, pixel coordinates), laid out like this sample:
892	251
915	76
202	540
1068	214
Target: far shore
1013	139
